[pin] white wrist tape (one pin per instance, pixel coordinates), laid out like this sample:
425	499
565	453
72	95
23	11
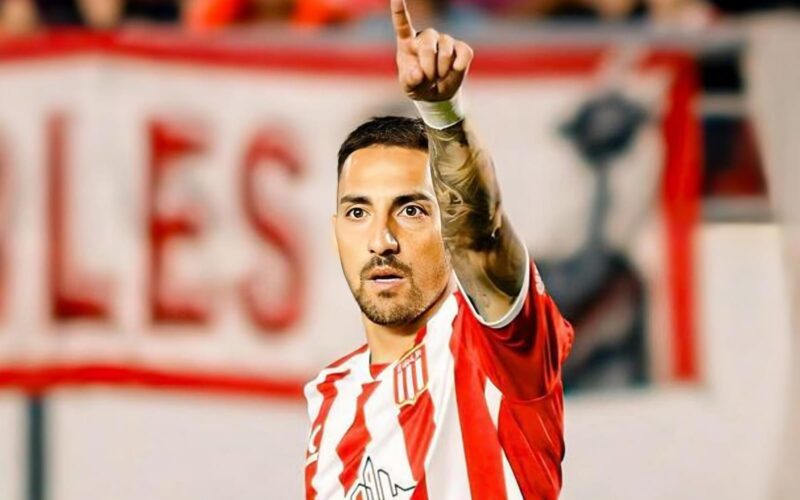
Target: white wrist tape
441	114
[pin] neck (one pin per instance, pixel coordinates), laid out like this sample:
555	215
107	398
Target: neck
389	342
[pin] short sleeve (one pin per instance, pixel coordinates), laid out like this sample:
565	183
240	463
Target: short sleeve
521	353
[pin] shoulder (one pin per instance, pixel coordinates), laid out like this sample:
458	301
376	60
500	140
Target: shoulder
332	373
343	361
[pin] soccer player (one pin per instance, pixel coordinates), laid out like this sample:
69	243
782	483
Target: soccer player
457	392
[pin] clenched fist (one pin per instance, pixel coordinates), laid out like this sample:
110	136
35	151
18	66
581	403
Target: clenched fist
431	65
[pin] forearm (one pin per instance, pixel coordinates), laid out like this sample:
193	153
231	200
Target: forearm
487	257
485	252
463	178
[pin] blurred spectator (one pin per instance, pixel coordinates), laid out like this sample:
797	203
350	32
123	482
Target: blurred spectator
101	14
748	6
17	17
660	11
446	15
426	12
689	13
207	15
318	12
104	14
22	16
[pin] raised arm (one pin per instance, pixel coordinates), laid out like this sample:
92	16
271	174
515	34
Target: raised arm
487	256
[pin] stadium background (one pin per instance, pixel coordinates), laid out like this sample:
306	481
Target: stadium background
169	281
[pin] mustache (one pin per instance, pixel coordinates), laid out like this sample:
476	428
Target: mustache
388	261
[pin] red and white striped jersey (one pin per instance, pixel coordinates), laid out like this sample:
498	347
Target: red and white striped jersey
473	410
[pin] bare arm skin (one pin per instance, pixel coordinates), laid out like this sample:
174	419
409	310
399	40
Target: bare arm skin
487	256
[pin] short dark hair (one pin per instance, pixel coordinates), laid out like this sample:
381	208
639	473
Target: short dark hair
384	131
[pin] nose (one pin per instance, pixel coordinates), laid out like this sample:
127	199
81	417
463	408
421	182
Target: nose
382	240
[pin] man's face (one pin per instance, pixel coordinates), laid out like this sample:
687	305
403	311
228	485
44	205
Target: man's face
389	234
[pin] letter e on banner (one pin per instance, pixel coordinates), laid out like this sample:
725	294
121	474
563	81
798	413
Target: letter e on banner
271	149
169	143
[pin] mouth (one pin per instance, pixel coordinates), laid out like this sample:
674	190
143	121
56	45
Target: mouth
385	277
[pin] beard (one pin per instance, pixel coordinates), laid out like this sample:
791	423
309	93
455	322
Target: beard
387	310
390	308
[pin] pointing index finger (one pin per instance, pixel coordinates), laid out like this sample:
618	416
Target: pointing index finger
401	20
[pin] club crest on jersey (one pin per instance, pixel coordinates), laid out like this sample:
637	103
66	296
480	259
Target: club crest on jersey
411	376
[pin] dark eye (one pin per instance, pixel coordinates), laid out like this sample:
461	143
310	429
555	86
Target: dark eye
412	211
356	213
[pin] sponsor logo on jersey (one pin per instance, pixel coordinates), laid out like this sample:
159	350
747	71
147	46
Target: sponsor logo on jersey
411	376
377	485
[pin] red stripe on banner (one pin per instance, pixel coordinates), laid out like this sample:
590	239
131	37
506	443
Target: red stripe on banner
329	392
166	46
354	442
38	379
681	201
483	456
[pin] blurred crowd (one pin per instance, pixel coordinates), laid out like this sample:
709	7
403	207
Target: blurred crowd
25	16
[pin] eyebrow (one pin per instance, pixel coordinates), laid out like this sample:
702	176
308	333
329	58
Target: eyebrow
357	199
354	199
410	198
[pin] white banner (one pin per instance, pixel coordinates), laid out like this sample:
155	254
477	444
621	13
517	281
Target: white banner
775	104
167	222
